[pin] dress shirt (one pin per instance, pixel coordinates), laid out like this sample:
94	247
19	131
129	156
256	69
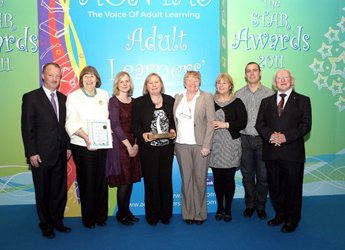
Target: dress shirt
48	92
287	93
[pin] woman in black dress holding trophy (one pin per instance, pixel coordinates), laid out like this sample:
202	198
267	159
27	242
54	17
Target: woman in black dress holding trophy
153	125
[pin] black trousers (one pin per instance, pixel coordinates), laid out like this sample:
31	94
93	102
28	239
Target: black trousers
51	192
156	164
285	185
224	187
92	184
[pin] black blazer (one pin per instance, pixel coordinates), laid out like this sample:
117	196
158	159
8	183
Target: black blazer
142	115
294	123
42	133
235	115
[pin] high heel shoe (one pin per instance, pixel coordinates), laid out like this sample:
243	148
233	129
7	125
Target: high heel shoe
227	217
165	221
219	216
126	222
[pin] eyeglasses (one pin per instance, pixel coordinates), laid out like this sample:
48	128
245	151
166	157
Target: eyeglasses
279	78
186	111
186	116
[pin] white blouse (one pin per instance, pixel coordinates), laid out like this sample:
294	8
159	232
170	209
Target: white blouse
185	118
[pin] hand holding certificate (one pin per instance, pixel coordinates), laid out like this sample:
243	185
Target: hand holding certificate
99	132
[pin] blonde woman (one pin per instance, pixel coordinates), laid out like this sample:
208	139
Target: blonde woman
153	114
123	164
231	117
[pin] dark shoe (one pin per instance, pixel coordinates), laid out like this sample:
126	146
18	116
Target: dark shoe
102	224
262	214
248	212
152	223
126	222
63	229
227	217
132	217
48	233
276	221
219	217
90	227
189	222
289	227
199	222
165	221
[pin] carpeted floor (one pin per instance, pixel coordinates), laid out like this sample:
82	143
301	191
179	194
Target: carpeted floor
322	227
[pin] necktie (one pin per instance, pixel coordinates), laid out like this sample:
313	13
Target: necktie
52	100
281	104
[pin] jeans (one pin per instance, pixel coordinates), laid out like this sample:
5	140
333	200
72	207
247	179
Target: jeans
254	172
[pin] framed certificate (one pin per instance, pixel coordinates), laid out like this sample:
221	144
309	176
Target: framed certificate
99	132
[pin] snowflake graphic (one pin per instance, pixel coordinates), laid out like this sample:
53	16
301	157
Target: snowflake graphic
329	67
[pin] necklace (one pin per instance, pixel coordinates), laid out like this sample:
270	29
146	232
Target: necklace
84	91
124	100
158	102
222	100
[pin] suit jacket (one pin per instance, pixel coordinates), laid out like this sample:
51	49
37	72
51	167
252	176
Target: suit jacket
142	116
294	123
204	115
42	133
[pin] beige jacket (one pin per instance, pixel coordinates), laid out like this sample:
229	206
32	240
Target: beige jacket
204	115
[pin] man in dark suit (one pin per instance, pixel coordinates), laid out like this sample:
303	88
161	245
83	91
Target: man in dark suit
47	148
283	121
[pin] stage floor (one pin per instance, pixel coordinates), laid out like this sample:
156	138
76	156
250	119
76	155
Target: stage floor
322	227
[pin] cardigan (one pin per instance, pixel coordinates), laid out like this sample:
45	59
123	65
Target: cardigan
235	115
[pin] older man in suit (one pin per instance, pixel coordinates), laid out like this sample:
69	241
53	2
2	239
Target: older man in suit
283	121
47	149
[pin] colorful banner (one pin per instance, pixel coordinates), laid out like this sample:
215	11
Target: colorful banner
139	37
18	75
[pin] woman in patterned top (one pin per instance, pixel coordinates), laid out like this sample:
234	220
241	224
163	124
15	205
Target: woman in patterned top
231	117
153	114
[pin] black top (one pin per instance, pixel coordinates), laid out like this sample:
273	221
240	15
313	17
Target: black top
143	110
235	115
